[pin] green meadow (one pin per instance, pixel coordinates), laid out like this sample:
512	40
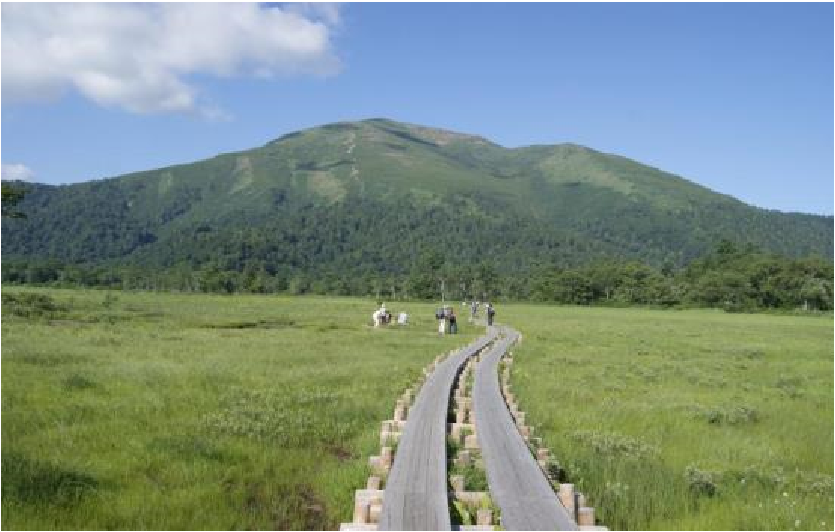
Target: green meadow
684	420
159	411
131	410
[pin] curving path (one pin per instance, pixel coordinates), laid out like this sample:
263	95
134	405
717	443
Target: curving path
416	489
517	484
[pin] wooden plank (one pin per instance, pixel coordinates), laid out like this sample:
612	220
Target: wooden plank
416	489
517	484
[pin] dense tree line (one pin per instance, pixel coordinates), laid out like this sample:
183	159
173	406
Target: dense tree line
735	278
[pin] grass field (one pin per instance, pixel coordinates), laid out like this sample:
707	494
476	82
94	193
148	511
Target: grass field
691	420
156	411
162	411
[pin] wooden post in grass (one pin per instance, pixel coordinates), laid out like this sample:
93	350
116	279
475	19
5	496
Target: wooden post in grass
457	482
455	432
374	511
566	496
471	442
389	437
542	458
361	512
585	516
401	404
386	457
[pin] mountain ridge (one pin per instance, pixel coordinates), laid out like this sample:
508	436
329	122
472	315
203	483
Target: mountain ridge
439	130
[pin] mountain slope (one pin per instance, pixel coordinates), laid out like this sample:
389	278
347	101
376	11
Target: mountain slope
372	195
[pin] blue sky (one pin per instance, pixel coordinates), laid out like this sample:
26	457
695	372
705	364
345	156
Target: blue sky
736	97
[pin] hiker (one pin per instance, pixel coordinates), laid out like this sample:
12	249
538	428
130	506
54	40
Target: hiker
453	322
379	315
490	313
473	310
440	315
402	319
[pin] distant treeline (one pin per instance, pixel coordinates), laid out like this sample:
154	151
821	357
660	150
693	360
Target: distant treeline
732	277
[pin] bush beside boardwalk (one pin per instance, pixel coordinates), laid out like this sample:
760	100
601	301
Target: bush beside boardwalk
160	411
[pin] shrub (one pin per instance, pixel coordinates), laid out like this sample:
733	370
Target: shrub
700	482
31	305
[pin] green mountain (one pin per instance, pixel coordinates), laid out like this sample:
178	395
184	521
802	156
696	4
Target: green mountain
378	197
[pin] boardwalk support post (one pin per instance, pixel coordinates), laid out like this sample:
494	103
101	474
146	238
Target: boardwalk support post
374	511
566	495
585	516
361	512
386	457
471	442
457	482
576	506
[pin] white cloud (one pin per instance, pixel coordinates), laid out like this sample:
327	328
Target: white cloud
16	172
328	12
140	57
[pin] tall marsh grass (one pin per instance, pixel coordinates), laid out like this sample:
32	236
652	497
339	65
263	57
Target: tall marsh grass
165	411
678	420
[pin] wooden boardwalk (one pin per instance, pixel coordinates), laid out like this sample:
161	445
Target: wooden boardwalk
416	489
525	497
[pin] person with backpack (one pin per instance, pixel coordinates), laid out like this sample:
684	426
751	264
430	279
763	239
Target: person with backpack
490	313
